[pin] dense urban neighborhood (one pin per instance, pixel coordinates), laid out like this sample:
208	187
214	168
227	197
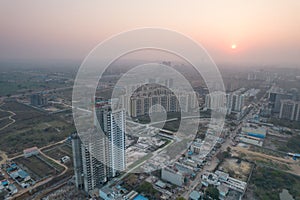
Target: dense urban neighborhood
257	147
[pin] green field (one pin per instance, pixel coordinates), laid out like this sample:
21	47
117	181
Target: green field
4	122
4	114
285	123
18	82
32	128
267	183
59	151
37	167
292	145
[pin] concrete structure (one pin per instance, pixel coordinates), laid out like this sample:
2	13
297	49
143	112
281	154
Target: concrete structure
161	184
196	146
215	101
257	132
101	156
172	176
210	179
38	99
223	191
65	159
77	161
89	166
30	152
108	193
195	195
252	134
222	180
146	96
131	195
290	110
112	123
276	95
252	140
235	101
12	189
236	185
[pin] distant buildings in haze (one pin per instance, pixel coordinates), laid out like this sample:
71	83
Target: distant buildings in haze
38	99
284	104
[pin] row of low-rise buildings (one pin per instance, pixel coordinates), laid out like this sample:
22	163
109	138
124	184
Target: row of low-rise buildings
253	134
185	168
177	173
223	182
119	193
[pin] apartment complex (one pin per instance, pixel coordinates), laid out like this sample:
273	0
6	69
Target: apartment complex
290	110
103	157
146	96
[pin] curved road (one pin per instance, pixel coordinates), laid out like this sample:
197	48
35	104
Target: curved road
46	180
9	117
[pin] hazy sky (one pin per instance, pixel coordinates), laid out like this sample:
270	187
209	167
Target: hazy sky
264	31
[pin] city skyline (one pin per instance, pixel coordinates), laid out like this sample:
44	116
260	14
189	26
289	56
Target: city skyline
150	100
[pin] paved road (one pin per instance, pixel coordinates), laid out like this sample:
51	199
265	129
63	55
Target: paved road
214	161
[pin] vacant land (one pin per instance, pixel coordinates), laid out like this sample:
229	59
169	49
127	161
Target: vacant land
32	128
236	168
275	143
292	145
3	114
59	151
36	166
284	144
285	123
15	81
268	183
262	159
272	152
4	122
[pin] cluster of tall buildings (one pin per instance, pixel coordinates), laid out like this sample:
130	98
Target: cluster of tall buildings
284	104
146	96
233	102
103	157
38	99
215	100
290	110
261	75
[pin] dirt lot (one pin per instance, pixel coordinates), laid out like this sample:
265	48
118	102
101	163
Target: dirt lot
36	167
282	163
239	170
59	151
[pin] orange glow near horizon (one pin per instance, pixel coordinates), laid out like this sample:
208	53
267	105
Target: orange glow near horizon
230	30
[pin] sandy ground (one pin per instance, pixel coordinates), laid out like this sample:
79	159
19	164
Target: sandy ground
4	157
294	165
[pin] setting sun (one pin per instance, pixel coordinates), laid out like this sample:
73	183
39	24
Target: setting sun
233	46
